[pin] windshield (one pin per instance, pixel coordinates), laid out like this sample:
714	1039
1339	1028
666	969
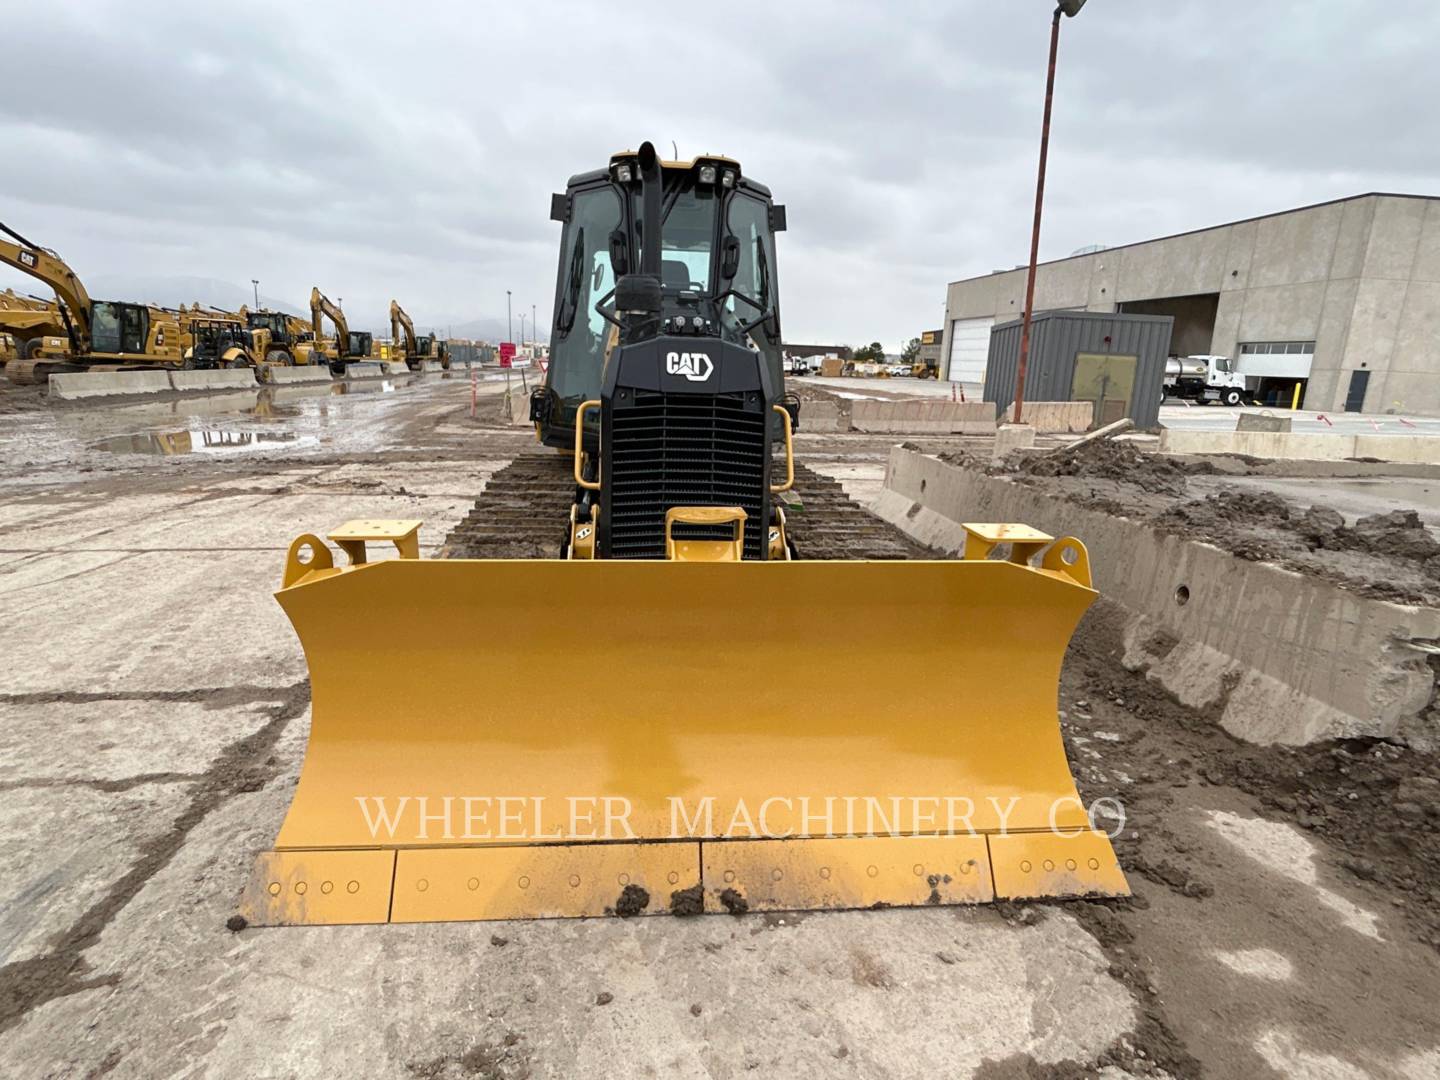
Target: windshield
687	237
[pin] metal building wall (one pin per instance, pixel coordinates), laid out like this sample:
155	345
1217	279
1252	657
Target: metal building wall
1057	336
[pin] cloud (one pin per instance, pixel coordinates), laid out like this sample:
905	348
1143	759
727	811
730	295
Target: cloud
409	152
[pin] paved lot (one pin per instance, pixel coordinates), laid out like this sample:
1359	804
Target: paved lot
154	716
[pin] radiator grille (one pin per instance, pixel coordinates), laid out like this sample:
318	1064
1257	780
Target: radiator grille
669	450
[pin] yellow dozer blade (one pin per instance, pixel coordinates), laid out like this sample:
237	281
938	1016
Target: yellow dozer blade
539	738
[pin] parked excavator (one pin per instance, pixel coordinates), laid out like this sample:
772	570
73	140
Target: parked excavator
346	346
414	349
109	332
702	755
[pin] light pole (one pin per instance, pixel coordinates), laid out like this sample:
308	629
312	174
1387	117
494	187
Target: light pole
509	322
1069	8
256	283
534	324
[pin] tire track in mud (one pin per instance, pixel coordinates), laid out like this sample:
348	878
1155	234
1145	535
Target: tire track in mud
242	766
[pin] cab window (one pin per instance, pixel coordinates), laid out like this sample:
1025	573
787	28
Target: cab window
578	353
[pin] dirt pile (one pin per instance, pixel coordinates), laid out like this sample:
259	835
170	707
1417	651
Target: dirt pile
1111	460
1377	805
1389	556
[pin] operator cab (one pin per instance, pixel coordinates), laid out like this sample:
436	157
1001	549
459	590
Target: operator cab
117	327
716	272
358	343
272	321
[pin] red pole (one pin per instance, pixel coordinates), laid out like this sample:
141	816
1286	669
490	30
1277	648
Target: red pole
1035	236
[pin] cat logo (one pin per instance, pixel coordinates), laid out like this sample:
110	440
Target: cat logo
28	258
695	366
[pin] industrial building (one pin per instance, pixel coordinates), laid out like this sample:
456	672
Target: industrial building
1342	298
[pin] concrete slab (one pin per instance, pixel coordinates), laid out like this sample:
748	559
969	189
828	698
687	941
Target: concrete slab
396	367
218	379
81	385
433	365
62	847
302	373
111	740
113	627
366	369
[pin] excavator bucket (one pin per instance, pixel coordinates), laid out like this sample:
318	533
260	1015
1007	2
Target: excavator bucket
540	738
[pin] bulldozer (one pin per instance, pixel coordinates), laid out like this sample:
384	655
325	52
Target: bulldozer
415	349
347	346
696	758
95	332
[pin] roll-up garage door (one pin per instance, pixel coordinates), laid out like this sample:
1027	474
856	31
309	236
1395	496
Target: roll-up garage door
969	349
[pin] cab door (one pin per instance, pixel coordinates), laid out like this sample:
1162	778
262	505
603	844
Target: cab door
134	328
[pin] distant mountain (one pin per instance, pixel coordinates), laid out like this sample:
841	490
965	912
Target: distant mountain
172	291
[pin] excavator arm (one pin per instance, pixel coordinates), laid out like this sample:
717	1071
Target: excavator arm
46	266
320	305
399	319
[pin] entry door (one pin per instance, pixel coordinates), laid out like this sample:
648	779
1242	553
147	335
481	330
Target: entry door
1108	381
1355	398
134	326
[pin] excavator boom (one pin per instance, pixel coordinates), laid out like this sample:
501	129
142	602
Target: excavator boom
44	265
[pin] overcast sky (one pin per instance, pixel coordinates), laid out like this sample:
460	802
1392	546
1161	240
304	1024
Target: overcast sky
408	150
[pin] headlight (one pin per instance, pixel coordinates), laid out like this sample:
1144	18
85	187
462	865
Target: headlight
623	173
707	174
729	178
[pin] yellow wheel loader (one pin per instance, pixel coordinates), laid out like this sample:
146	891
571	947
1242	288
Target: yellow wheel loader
699	754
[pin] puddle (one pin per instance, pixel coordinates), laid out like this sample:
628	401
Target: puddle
201	441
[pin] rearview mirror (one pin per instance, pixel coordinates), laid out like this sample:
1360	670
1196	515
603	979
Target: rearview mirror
730	258
619	254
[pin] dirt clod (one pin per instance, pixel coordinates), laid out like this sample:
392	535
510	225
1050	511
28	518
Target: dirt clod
633	900
604	997
696	1010
734	902
689	901
498	941
236	923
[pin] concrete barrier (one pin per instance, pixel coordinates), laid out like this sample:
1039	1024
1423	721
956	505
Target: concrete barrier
216	379
1010	437
822	416
1262	422
1280	656
80	385
365	369
302	373
919	416
1056	417
1302	446
396	367
433	365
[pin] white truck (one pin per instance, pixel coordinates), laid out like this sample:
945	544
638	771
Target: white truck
1203	378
